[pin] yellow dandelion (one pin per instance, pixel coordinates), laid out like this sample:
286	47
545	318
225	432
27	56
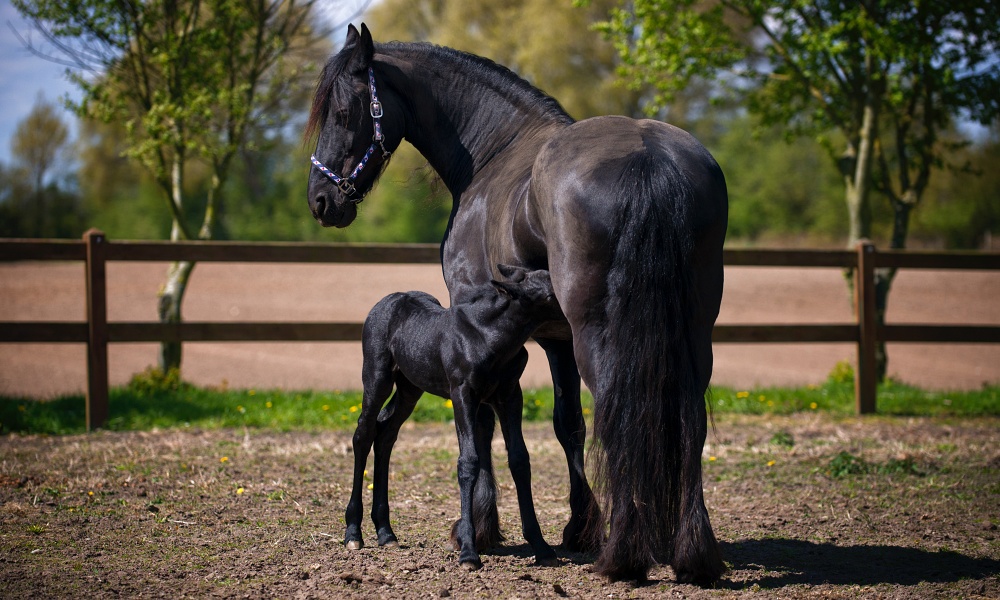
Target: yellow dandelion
224	459
354	409
371	486
366	473
240	409
711	459
90	493
448	404
770	402
268	404
761	398
252	392
742	394
770	463
538	402
813	405
586	411
239	491
326	407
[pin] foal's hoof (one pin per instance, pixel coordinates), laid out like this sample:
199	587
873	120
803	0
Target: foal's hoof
471	565
547	562
354	544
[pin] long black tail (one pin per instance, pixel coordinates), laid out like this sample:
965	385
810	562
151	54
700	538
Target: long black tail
648	399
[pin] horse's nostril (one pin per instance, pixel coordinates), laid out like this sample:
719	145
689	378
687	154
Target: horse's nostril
319	205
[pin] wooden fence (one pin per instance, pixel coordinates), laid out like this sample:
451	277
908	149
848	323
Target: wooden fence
96	332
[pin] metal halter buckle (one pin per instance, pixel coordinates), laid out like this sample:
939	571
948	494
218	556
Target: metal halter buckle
376	109
346	187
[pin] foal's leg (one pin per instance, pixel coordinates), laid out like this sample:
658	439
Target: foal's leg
377	375
484	498
390	420
468	472
509	402
584	532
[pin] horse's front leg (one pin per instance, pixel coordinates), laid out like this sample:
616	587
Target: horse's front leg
390	419
509	402
464	533
584	532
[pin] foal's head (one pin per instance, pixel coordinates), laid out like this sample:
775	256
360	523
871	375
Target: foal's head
357	122
531	290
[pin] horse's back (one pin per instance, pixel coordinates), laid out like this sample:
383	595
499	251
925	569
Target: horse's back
594	159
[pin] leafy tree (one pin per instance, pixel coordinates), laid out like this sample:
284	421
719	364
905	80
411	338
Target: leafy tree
37	195
886	79
189	79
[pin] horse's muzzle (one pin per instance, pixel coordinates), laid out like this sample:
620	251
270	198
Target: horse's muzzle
330	212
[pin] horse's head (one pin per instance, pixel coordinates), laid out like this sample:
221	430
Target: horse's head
530	288
352	145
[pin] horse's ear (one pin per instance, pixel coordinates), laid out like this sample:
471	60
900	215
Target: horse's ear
352	36
364	50
512	273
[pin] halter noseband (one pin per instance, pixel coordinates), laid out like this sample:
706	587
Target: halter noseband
346	184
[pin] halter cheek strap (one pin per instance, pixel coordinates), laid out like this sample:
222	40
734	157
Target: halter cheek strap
346	184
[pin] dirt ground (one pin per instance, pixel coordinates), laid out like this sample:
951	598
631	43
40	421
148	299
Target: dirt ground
255	514
302	292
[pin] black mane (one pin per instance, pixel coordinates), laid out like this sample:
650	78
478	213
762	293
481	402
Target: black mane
482	70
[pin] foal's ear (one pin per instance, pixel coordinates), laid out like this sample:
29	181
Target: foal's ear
512	273
505	289
363	48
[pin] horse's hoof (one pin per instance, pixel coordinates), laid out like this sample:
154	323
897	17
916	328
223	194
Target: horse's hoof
391	544
354	544
471	565
547	562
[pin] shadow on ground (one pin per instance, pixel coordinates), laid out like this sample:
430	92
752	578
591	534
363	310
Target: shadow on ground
790	562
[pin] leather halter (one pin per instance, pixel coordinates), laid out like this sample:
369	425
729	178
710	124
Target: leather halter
346	184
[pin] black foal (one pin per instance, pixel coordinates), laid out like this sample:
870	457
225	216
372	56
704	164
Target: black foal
472	353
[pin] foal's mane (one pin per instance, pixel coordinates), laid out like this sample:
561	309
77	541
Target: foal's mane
483	71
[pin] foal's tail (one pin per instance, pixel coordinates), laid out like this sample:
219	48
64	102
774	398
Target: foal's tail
649	408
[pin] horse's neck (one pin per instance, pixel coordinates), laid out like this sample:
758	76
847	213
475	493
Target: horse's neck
468	124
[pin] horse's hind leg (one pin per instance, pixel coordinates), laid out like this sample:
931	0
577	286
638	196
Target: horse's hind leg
378	386
509	409
696	556
584	532
392	417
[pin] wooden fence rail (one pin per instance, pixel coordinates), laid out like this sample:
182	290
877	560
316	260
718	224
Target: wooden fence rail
95	250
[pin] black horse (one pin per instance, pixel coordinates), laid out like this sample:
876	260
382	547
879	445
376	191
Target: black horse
472	353
629	217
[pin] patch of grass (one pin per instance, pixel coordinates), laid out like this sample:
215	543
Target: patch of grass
156	400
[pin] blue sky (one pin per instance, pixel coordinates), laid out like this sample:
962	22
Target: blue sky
23	76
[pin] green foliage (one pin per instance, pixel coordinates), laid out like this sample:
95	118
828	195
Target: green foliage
845	464
842	373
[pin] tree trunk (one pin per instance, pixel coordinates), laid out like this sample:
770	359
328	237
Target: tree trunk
169	310
178	274
856	168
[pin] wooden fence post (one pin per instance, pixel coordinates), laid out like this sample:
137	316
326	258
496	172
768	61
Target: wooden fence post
864	302
97	330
